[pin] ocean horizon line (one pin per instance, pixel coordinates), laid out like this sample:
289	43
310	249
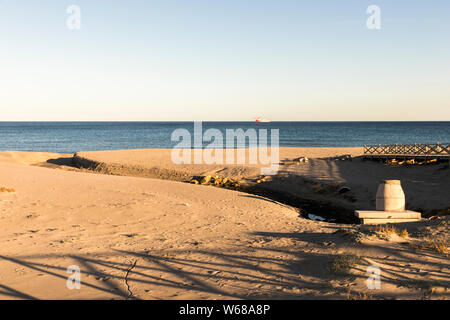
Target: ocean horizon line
223	121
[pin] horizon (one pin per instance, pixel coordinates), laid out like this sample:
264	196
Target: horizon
218	121
224	61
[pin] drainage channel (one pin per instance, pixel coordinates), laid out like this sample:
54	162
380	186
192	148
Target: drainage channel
307	208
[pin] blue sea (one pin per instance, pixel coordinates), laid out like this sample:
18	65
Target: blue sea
70	137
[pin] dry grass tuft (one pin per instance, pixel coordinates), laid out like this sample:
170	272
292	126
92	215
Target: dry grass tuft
439	246
358	295
10	190
384	231
387	229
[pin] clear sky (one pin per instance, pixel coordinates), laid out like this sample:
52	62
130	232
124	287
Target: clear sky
224	60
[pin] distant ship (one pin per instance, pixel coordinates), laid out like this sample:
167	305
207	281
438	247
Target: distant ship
261	120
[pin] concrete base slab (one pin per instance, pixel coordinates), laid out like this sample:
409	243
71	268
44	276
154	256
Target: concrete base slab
383	217
388	214
386	221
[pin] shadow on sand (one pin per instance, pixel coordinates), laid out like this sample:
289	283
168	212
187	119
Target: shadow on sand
293	270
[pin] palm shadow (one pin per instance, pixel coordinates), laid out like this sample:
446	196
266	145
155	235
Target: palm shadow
275	266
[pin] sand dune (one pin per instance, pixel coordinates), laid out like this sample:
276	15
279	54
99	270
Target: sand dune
158	162
23	157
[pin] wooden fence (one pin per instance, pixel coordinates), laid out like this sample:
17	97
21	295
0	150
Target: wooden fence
408	151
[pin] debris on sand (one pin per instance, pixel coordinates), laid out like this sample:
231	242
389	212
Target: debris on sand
315	218
344	157
216	181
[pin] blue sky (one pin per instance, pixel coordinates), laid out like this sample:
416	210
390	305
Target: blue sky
224	60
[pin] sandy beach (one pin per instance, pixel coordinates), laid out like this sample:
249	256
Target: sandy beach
137	231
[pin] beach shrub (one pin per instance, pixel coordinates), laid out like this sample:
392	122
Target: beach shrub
353	235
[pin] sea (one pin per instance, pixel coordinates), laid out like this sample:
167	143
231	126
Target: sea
71	137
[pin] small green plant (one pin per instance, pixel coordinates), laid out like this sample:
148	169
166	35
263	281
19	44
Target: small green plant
403	233
130	235
342	265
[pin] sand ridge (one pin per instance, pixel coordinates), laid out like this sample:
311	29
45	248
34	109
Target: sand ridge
318	180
